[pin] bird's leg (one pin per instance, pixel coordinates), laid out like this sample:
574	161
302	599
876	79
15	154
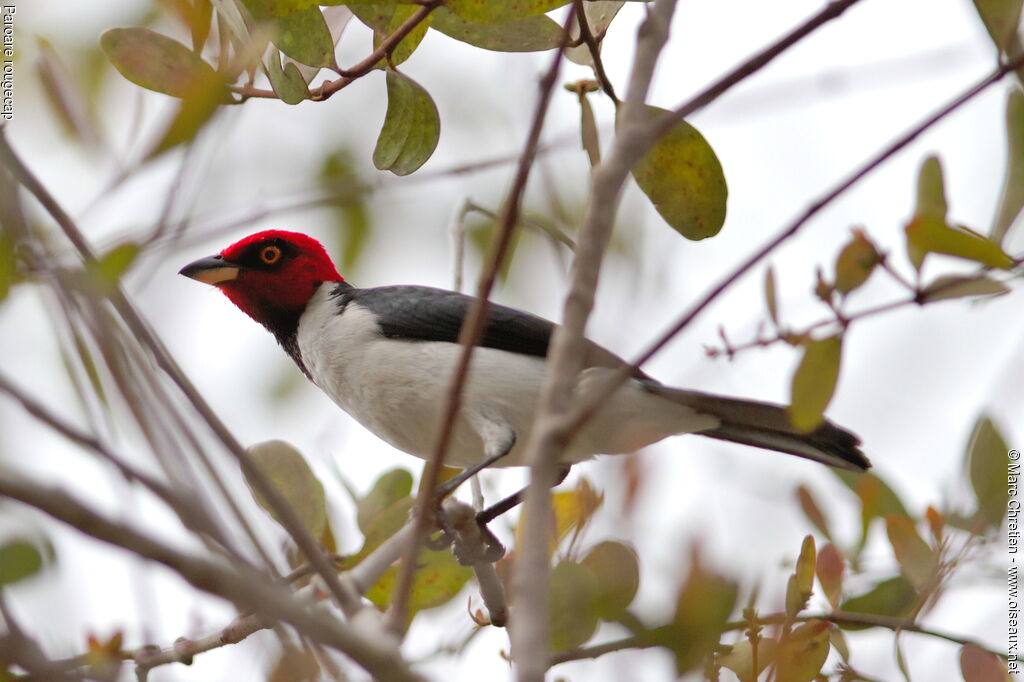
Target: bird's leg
494	550
513	500
449	486
498	442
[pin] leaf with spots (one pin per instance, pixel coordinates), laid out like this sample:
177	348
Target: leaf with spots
156	62
528	34
683	178
411	127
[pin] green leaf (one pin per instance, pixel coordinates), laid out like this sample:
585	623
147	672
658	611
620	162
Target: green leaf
529	34
615	567
814	382
570	605
488	11
115	262
927	235
159	63
978	665
855	263
895	597
385	19
770	299
385	524
801	583
702	610
877	499
264	9
927	232
9	275
439	578
289	473
411	127
340	177
957	286
931	191
683	179
1001	18
391	487
1012	200
988	469
19	559
287	82
830	568
917	560
801	654
304	37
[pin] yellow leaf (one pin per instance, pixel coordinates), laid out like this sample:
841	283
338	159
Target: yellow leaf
814	382
855	262
684	180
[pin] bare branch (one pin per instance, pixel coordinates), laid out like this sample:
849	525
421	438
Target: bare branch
529	626
365	642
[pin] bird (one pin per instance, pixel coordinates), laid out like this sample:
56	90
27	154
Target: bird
386	355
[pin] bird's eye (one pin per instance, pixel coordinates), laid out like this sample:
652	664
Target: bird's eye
270	254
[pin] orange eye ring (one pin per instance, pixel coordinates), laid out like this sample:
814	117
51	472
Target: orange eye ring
270	254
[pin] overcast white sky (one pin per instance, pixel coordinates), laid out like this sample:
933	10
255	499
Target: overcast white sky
912	386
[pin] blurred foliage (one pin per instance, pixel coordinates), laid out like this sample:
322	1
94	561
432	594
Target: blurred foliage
236	50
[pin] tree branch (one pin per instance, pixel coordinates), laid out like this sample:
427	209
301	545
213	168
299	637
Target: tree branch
837	617
588	38
365	644
530	640
348	76
469	336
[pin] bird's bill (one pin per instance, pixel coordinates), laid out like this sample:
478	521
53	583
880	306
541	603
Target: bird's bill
210	270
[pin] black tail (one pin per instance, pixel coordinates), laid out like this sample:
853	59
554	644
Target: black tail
765	425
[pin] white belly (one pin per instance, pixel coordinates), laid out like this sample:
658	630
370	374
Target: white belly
397	389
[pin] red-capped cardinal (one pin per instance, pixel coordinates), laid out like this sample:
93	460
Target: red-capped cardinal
386	356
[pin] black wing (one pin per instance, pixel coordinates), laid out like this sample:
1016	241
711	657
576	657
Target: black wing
418	313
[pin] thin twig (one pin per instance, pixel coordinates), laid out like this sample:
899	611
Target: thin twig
587	36
837	617
920	297
348	76
469	336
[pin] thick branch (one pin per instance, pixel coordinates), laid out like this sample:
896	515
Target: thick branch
529	620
